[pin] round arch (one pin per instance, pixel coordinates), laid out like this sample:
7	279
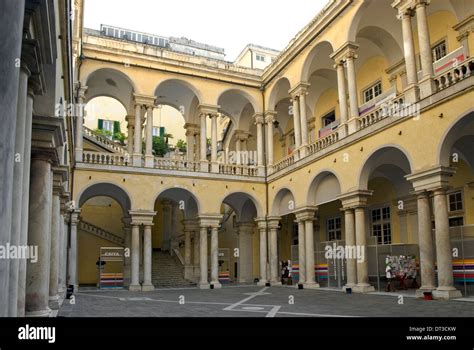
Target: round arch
280	90
324	187
106	189
283	203
245	205
192	206
319	57
393	158
462	129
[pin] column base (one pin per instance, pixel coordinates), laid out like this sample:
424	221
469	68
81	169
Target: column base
363	288
275	283
137	160
412	94
134	288
54	302
423	289
204	285
261	170
262	283
148	287
39	313
312	285
426	86
342	130
149	161
215	167
351	286
204	166
446	294
215	285
352	126
78	153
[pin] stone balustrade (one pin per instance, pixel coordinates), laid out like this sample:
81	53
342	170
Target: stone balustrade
105	158
104	141
234	169
457	72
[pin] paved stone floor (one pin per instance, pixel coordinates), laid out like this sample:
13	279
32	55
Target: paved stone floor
254	301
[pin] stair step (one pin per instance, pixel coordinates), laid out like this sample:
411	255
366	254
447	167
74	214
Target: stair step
166	272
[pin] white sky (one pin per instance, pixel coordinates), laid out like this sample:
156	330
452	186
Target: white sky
231	25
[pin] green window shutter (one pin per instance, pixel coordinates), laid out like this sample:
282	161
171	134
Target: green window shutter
116	127
162	131
101	124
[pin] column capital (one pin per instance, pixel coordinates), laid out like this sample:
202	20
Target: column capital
421	3
241	135
190	225
130	119
306	213
354	199
191	128
261	223
208	109
259	118
345	52
210	220
246	227
273	222
144	100
431	179
75	216
404	7
270	116
300	89
81	91
465	27
142	217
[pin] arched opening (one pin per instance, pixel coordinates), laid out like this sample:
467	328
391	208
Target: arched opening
173	264
104	222
390	213
456	152
238	240
237	134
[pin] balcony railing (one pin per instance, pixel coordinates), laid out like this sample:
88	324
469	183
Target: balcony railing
323	142
283	163
176	164
234	169
103	141
457	72
105	158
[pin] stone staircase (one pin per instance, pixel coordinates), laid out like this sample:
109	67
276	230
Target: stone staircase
101	233
167	272
102	141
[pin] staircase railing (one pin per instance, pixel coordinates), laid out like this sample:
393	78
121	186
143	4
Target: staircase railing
103	141
99	232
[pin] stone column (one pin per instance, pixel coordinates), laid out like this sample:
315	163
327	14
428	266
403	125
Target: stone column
149	159
18	168
39	235
262	228
214	163
341	90
54	254
238	142
273	226
187	253
25	203
411	91
426	84
426	244
130	131
203	283
245	231
296	121
363	285
190	144
72	263
135	258
167	224
147	261
270	118
196	256
444	258
309	245
80	121
128	242
12	26
203	144
215	257
65	244
137	142
304	120
301	251
352	84
61	261
260	141
351	263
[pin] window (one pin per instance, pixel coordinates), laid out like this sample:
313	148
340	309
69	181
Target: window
155	131
458	221
439	51
328	118
372	92
260	58
455	201
381	225
334	229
